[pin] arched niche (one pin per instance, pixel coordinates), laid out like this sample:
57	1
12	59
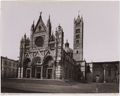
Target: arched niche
48	63
26	62
48	60
36	61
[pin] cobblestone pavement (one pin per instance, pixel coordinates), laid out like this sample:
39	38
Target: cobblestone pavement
56	86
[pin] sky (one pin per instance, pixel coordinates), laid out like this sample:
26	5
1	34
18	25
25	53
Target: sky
101	25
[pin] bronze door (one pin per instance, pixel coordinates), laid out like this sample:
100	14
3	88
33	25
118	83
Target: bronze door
49	73
38	72
28	73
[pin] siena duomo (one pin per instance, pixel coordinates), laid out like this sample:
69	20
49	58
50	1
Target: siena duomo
44	54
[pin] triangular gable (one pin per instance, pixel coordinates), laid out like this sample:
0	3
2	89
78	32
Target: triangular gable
47	53
40	26
32	54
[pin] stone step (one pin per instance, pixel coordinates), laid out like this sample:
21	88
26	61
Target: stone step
39	81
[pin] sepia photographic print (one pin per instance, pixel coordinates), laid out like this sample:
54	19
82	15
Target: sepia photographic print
60	47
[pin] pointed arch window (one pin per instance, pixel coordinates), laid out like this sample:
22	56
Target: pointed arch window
77	36
77	30
39	28
77	41
77	51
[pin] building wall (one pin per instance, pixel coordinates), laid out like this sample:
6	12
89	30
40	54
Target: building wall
107	71
71	70
9	68
98	70
88	72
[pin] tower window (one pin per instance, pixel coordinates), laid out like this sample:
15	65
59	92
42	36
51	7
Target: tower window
77	41
52	46
77	51
77	36
78	24
77	30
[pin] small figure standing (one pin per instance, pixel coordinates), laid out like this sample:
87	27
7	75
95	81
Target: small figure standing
97	78
97	81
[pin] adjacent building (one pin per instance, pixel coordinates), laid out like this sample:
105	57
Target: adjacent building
106	71
9	68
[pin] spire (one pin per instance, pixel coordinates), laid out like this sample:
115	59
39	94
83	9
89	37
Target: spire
81	18
33	22
25	36
40	13
40	17
52	38
32	27
78	12
78	18
49	26
59	27
49	16
49	22
66	44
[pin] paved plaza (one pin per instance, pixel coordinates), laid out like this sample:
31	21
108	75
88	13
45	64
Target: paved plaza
56	86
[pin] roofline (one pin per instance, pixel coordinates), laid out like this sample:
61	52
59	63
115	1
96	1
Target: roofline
9	59
106	62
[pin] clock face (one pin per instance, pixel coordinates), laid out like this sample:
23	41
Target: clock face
39	41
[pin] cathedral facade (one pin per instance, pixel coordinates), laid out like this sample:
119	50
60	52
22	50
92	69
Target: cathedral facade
44	54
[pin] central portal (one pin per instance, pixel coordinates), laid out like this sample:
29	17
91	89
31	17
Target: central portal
49	73
38	72
48	67
28	73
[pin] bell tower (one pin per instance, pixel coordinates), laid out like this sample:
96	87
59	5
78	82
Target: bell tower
59	46
78	39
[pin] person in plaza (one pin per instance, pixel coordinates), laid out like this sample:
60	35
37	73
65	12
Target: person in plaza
97	78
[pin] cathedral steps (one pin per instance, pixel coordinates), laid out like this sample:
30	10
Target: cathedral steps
39	81
57	86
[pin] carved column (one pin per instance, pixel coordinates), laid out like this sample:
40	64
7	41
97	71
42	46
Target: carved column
41	72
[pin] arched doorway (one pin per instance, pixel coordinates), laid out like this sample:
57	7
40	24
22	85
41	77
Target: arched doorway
27	62
36	67
48	70
36	61
26	68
